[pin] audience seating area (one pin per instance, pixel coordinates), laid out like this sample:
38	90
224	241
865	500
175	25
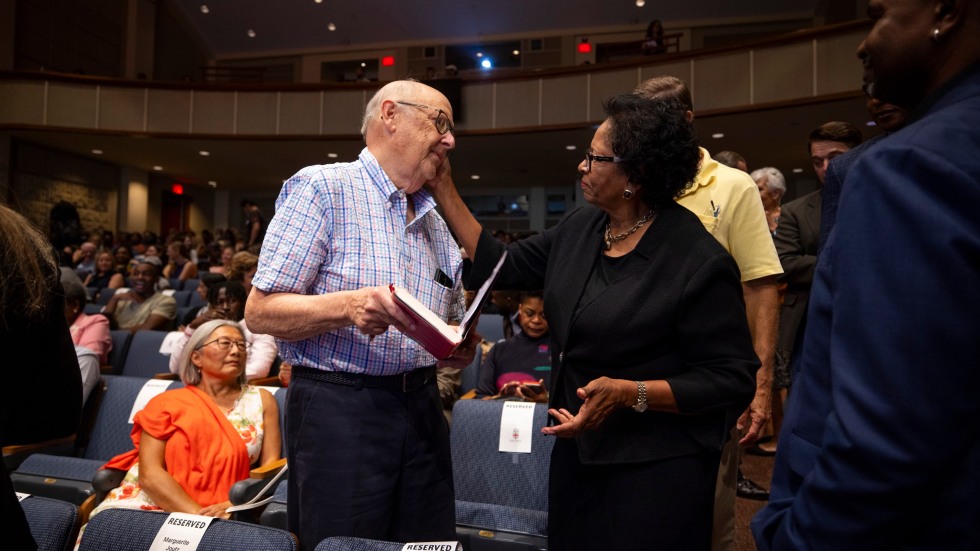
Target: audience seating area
501	498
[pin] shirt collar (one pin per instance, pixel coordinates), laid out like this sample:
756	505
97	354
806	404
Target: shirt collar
706	173
424	202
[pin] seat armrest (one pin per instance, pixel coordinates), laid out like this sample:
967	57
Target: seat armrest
106	480
14	455
268	470
265	381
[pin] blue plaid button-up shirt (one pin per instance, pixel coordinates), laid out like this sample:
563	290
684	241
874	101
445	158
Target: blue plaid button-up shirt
342	227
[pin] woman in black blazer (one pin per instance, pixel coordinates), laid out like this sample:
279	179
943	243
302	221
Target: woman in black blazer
651	352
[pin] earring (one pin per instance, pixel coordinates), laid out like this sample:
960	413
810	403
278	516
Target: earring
935	34
627	194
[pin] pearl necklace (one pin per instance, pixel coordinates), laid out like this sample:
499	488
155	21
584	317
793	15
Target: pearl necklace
610	239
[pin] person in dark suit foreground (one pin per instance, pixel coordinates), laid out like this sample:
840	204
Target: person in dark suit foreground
652	360
881	444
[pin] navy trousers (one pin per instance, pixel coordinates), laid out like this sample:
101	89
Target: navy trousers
369	463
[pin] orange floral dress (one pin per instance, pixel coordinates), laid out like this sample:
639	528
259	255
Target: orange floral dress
247	419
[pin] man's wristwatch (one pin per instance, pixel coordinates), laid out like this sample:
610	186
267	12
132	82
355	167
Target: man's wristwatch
641	399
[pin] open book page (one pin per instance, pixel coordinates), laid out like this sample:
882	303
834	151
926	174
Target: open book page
438	337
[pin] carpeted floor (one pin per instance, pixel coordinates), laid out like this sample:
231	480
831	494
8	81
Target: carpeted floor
759	470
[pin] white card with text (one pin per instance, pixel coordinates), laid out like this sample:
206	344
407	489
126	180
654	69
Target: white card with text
433	546
149	390
181	532
516	424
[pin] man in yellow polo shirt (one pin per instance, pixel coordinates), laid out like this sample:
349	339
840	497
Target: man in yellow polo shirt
728	203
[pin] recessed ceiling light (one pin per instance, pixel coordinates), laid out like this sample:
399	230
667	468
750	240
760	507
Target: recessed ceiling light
870	123
97	152
203	153
479	54
251	33
516	52
332	155
717	135
475	177
641	3
797	170
212	183
205	9
331	27
318	1
157	167
571	147
363	64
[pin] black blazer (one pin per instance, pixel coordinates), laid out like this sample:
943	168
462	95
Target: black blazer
676	314
796	241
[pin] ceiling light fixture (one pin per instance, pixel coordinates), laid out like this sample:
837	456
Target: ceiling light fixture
516	52
571	147
251	33
97	152
332	155
640	3
475	177
212	183
717	135
331	27
205	9
203	153
318	1
157	167
479	54
797	171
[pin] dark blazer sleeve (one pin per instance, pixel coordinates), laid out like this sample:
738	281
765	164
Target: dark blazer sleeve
796	254
880	446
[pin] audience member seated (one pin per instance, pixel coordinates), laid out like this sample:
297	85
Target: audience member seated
520	367
180	265
84	259
106	275
226	301
89	366
224	264
243	267
207	280
142	307
192	444
123	258
92	332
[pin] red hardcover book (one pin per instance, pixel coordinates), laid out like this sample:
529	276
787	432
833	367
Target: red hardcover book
435	335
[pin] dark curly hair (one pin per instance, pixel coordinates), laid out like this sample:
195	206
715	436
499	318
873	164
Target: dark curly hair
658	142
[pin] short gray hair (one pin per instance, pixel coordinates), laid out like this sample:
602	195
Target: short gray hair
403	89
775	181
190	374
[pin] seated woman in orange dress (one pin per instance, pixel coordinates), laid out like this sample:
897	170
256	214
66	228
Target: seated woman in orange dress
215	420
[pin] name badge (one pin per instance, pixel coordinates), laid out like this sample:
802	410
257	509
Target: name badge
181	532
516	424
432	546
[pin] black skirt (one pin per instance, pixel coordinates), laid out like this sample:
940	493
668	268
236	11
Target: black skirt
665	504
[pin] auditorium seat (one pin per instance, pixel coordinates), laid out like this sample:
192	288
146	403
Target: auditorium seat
501	497
134	530
121	338
54	523
491	327
144	358
70	478
357	544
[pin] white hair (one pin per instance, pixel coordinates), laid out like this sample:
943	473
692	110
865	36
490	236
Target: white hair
774	178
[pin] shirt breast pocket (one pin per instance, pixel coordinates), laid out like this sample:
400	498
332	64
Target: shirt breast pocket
711	223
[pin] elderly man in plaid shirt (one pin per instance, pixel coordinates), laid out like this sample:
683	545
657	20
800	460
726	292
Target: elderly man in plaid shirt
367	444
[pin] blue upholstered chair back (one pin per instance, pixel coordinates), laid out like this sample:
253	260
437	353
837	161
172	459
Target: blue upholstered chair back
131	530
491	327
483	474
121	339
357	544
54	523
144	358
110	435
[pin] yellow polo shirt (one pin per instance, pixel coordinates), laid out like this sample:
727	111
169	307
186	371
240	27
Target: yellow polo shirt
728	203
